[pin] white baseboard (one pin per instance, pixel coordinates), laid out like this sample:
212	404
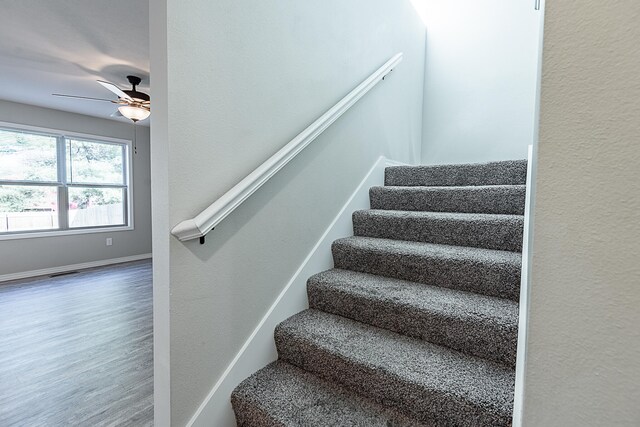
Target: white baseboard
72	267
259	349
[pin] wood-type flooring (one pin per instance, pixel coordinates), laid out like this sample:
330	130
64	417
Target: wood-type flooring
76	350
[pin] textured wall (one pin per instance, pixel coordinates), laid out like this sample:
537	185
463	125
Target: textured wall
480	79
584	340
243	78
44	252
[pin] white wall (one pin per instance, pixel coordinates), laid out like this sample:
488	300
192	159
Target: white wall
243	78
160	214
23	255
584	341
480	79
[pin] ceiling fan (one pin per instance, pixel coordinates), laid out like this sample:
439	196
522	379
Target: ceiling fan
133	105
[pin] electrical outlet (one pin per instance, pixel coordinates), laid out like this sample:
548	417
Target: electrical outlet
109	241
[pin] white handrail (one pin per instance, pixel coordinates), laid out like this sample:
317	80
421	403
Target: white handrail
205	221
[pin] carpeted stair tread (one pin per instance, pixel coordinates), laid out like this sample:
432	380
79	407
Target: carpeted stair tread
428	382
284	395
492	173
471	323
486	271
492	199
491	231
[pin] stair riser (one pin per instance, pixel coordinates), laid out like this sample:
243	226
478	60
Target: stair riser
481	338
489	200
504	233
499	279
495	173
426	405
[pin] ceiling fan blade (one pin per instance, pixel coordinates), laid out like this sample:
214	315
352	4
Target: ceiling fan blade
82	97
115	89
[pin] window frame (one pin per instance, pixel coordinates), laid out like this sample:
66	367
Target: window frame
62	137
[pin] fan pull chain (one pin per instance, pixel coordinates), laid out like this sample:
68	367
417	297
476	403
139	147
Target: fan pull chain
135	138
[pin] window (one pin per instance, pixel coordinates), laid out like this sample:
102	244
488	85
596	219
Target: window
56	182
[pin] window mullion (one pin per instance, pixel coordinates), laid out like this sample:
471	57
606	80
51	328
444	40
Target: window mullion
92	185
31	183
63	193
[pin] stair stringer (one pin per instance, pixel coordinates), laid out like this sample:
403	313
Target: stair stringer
523	326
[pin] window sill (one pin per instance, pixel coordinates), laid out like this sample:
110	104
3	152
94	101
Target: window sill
59	233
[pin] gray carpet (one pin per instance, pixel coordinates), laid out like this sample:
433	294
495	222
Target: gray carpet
502	232
417	323
489	199
284	395
473	323
493	173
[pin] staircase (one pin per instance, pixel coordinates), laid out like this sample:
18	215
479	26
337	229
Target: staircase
417	323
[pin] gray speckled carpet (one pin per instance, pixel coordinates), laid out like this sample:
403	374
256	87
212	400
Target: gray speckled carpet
417	323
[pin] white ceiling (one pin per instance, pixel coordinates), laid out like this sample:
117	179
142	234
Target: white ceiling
65	46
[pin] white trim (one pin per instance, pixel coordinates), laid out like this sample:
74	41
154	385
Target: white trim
68	232
259	349
72	267
523	312
389	163
61	132
127	186
527	246
392	163
205	221
130	172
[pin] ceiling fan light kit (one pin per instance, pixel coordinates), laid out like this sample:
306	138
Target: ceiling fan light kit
133	112
134	105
